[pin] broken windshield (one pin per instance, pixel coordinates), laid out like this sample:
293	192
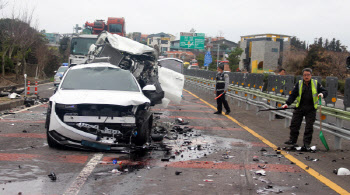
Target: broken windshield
100	78
80	46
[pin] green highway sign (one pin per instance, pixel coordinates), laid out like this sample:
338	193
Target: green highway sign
192	40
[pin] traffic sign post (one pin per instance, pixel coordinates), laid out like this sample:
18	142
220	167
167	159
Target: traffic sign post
192	40
207	59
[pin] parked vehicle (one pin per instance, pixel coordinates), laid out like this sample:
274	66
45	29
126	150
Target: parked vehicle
193	67
59	74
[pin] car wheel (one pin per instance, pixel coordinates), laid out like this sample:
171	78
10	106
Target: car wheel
143	134
51	142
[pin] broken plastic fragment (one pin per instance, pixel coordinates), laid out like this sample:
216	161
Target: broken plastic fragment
52	176
342	171
208	180
260	172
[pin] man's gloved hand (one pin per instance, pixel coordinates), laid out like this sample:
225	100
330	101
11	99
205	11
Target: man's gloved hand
285	106
320	95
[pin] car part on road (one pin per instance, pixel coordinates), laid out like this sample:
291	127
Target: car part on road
52	176
342	171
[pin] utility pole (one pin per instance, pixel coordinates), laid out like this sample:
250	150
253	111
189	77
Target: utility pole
217	58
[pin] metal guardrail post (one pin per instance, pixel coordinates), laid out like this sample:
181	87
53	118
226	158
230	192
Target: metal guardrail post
337	139
271	114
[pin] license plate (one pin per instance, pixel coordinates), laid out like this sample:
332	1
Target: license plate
95	145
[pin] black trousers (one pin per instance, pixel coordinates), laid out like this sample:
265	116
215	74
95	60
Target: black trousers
222	100
297	119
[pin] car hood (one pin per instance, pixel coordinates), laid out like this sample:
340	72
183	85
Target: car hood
122	98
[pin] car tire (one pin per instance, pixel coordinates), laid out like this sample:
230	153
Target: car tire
143	134
51	142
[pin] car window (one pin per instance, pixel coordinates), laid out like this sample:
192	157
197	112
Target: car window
172	65
100	78
62	69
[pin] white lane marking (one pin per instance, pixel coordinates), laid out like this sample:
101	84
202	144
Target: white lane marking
25	109
84	174
51	88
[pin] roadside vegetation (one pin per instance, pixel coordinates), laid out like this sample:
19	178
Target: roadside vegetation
23	49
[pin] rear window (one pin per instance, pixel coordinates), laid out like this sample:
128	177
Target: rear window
100	78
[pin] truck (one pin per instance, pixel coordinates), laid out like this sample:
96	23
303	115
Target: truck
114	26
79	48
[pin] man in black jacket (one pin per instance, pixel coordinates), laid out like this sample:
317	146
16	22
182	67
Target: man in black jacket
222	83
307	92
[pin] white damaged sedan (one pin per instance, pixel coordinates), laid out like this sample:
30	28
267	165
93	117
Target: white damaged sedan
99	106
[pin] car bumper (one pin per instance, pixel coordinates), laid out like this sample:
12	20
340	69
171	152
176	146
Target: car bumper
69	136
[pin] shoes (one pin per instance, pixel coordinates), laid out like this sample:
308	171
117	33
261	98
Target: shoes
217	112
227	112
280	117
290	142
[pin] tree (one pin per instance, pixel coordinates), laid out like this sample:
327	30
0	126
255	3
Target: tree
313	55
296	43
213	65
320	42
331	63
234	58
200	59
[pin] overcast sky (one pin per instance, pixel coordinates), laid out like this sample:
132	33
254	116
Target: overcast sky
305	19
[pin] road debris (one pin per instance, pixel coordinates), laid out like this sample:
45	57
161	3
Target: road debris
52	176
342	171
260	172
178	172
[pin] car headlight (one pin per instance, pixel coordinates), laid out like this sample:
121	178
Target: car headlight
67	106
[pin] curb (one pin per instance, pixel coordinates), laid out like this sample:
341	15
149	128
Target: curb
14	103
11	104
22	85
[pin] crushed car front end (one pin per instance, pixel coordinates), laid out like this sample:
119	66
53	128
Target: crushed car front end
81	116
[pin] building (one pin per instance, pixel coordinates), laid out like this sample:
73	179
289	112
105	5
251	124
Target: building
223	45
182	55
263	52
53	38
161	40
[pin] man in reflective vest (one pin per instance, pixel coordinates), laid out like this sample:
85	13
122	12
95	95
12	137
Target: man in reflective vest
221	86
306	92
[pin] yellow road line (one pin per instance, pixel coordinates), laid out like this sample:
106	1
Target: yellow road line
303	166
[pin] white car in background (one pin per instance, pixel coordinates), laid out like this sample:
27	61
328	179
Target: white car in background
59	74
99	106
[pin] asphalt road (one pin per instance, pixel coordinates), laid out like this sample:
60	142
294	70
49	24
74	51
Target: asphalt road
220	156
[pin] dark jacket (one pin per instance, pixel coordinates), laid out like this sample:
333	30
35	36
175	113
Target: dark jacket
222	81
306	102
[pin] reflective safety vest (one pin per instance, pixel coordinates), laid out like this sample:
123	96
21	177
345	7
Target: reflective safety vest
220	81
313	89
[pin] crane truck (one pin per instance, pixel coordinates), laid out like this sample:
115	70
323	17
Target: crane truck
113	26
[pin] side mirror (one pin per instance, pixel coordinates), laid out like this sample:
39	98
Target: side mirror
149	88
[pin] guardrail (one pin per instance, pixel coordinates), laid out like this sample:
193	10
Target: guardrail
248	94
